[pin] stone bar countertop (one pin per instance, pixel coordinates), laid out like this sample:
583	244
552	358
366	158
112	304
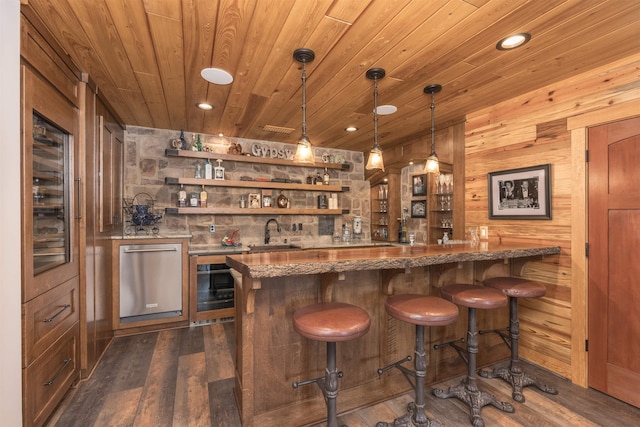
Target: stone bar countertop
316	261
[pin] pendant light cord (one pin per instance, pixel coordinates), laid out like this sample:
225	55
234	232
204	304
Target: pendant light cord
304	99
375	113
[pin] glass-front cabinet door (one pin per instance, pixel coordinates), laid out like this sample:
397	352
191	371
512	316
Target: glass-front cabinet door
50	242
50	210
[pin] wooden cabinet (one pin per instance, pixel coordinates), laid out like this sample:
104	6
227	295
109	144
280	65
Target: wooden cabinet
50	230
110	149
254	185
385	208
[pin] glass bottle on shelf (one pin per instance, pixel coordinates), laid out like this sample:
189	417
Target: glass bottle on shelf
208	169
203	198
325	177
182	197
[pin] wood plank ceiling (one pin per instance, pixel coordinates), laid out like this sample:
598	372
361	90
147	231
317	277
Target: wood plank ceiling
146	57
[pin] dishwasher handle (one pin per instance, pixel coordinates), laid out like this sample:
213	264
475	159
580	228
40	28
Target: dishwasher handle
130	251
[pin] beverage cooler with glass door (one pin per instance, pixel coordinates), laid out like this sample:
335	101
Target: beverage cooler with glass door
212	288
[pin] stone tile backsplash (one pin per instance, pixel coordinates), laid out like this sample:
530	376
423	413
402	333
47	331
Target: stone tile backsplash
146	167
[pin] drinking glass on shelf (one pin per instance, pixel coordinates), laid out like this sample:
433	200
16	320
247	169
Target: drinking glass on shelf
412	238
448	199
440	188
447	183
442	202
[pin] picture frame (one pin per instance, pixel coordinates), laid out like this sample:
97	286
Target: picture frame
523	193
419	185
418	209
254	201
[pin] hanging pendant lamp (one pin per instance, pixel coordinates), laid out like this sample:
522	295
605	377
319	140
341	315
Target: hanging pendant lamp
433	165
375	160
304	151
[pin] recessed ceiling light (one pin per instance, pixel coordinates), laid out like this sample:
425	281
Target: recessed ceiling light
351	129
216	76
204	106
221	134
385	110
513	41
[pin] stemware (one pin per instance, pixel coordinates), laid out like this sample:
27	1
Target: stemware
440	188
447	183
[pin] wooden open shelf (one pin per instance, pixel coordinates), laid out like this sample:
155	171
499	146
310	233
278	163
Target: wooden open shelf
256	211
255	184
252	159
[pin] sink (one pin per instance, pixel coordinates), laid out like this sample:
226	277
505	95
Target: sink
276	247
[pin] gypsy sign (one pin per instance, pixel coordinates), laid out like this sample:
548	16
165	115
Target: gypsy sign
260	150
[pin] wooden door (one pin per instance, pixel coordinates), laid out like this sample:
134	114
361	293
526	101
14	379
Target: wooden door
614	267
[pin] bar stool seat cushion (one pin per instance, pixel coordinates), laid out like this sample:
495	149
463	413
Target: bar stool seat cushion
421	309
474	296
517	287
331	322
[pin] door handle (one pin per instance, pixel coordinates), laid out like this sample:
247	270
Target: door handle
78	199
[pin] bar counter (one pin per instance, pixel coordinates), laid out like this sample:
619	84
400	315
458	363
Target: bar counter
270	287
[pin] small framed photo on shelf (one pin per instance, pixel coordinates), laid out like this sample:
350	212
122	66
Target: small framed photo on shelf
254	201
522	193
419	185
418	209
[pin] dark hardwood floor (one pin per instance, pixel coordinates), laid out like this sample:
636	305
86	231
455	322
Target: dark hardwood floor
184	377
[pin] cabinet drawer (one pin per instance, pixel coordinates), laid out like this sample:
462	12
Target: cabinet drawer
47	380
46	317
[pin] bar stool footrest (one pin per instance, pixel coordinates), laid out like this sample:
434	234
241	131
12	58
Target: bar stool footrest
462	351
503	333
409	374
518	380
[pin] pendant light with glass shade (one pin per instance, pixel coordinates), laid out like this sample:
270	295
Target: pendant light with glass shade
304	151
433	165
375	160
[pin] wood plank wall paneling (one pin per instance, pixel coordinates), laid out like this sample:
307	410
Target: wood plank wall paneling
532	130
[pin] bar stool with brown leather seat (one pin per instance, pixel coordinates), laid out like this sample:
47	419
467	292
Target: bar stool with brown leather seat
330	322
419	310
514	288
473	297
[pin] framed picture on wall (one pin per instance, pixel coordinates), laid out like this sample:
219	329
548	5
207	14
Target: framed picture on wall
522	193
418	209
419	185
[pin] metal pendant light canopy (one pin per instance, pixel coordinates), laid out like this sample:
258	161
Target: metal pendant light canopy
375	160
433	165
304	151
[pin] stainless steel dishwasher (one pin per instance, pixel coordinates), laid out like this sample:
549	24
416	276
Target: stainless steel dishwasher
150	281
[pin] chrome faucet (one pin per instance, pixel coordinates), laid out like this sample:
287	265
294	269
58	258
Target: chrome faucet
267	234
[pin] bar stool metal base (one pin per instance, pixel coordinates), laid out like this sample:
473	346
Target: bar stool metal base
467	391
328	385
518	380
415	415
514	374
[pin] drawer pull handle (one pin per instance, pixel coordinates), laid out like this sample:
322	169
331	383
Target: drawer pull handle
50	319
57	374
